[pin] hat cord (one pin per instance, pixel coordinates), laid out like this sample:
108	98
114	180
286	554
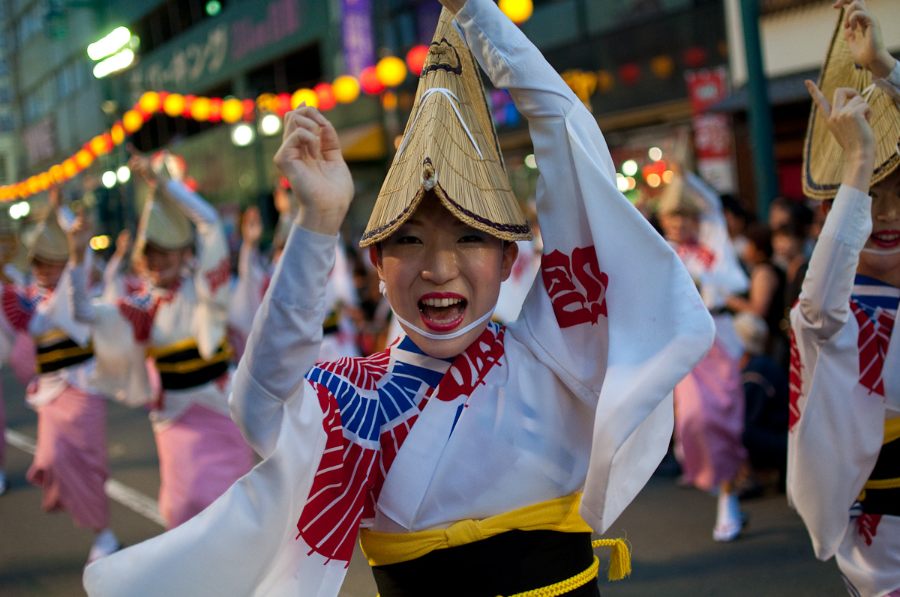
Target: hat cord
453	101
452	335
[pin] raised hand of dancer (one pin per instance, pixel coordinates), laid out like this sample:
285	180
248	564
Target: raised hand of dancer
863	35
141	165
453	6
251	226
79	236
123	243
310	158
847	118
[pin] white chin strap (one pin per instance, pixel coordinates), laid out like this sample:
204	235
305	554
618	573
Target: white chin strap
893	251
450	335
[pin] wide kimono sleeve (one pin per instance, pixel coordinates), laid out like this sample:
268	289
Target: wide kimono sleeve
613	313
213	271
836	426
246	542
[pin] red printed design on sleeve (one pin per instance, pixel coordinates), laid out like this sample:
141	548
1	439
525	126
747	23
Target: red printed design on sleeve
219	275
139	310
19	305
471	367
795	384
867	526
576	286
874	337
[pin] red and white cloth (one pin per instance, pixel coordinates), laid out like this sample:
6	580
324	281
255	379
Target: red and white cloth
576	394
838	411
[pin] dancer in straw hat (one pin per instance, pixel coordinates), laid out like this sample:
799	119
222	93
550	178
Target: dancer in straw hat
467	448
70	462
177	316
709	402
844	438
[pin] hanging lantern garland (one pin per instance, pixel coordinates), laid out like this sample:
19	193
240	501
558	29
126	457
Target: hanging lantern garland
390	72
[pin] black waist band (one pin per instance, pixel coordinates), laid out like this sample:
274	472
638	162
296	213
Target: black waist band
884	500
508	563
61	354
187	369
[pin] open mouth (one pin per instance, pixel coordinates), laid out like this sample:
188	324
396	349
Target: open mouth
886	239
442	311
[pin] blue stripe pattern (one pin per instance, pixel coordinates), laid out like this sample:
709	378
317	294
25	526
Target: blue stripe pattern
864	293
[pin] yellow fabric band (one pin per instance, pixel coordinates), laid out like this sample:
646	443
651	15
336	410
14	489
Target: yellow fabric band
162	351
51	337
59	354
560	514
882	483
891	430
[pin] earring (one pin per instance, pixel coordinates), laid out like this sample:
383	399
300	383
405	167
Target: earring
382	287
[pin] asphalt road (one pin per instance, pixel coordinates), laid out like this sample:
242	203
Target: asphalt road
669	529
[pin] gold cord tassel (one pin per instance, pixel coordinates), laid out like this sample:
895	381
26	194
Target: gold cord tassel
619	559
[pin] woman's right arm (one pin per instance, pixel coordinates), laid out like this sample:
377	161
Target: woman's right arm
824	304
287	330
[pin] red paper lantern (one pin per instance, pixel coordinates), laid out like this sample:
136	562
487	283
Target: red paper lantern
325	92
694	57
215	109
368	81
283	103
630	73
249	109
415	59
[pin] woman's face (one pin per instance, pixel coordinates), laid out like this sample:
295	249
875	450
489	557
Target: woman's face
47	273
163	266
442	275
680	228
881	256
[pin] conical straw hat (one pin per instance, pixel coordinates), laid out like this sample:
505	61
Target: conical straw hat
163	225
449	148
822	156
48	241
677	197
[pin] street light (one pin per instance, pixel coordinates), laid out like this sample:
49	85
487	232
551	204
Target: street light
113	52
123	174
269	125
108	179
242	135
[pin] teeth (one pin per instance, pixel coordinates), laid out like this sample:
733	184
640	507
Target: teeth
441	302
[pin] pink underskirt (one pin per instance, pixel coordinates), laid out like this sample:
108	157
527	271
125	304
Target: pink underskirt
709	420
70	460
200	455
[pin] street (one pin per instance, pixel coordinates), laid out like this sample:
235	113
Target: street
668	527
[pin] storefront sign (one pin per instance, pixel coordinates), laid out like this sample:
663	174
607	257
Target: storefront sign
712	132
359	43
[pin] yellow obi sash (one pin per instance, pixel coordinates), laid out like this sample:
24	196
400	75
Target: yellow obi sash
881	492
55	351
560	514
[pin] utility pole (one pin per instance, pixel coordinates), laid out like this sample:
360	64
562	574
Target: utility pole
762	139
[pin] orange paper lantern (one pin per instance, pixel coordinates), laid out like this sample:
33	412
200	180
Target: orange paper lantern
304	96
518	11
117	133
150	102
57	173
200	109
173	105
232	110
83	159
662	66
101	144
391	71
132	121
70	169
346	89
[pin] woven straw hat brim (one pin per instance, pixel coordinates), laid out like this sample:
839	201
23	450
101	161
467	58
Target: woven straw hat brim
449	146
164	226
48	242
823	159
676	198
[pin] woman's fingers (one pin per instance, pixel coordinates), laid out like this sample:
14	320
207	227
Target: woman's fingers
819	98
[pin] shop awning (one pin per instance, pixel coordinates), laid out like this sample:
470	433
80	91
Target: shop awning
787	89
363	142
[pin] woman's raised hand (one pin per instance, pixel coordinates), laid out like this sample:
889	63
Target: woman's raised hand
863	35
310	158
79	236
847	118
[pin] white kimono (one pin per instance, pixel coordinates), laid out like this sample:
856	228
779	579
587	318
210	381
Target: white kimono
575	395
845	386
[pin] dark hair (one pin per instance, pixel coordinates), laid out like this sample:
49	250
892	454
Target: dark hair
731	204
760	237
